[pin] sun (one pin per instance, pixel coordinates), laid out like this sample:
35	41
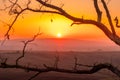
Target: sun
59	35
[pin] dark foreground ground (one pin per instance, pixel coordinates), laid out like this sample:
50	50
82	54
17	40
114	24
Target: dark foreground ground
66	61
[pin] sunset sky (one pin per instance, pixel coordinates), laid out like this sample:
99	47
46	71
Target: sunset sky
54	45
56	26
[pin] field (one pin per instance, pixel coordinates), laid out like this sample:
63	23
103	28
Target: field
38	58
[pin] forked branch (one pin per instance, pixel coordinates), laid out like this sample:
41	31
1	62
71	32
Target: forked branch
111	34
25	46
92	70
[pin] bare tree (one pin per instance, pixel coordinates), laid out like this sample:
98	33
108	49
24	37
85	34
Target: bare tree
15	8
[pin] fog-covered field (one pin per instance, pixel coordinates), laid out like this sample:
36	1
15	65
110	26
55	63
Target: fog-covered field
38	58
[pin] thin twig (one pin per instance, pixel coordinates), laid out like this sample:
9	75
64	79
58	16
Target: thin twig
34	76
117	22
57	59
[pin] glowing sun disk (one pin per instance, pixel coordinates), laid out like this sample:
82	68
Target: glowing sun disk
59	35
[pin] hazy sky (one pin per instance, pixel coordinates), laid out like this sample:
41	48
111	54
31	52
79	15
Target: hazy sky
29	23
56	26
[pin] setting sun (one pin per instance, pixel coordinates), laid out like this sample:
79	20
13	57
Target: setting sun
53	36
59	35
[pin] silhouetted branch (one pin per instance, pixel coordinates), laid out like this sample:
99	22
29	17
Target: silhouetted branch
57	59
34	76
117	22
58	10
75	66
103	27
25	46
111	34
7	35
92	70
99	13
78	64
13	11
3	60
13	5
108	16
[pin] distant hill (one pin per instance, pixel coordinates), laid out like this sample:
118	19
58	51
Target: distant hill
61	44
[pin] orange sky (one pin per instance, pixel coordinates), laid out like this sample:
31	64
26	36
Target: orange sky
29	25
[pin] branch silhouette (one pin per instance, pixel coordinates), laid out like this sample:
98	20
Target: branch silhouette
117	22
58	10
16	9
93	69
25	46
